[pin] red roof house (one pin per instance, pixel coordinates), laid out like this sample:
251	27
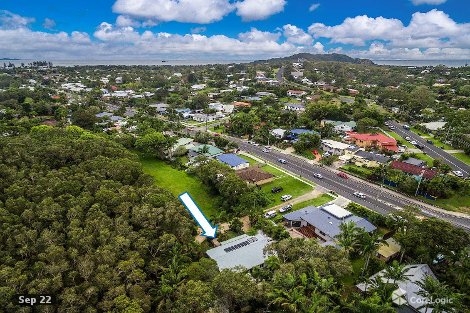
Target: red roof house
379	141
413	169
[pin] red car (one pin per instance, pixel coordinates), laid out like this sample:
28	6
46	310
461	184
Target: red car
342	175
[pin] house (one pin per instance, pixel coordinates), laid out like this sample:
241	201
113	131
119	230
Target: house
204	118
255	176
295	133
233	160
388	250
369	159
265	94
198	87
278	133
161	108
413	170
378	141
297	74
340	127
324	222
184	142
244	252
296	93
118	80
353	92
228	108
334	147
206	150
434	126
408	290
415	162
295	107
238	104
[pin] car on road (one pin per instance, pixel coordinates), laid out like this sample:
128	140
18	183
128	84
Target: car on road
430	142
419	146
408	138
286	198
360	195
270	214
342	175
414	143
407	127
285	208
392	127
255	144
250	142
266	150
317	175
282	161
458	173
277	189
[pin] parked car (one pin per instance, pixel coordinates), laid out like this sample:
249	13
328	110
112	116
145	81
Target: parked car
286	198
458	173
277	189
360	195
285	208
342	175
282	161
270	214
317	175
430	142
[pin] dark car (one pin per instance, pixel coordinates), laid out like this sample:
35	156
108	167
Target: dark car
342	175
430	142
276	189
419	146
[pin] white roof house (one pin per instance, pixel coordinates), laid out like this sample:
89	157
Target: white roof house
434	125
278	132
243	251
334	147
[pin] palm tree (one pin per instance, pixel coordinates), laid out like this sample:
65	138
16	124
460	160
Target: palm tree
291	300
396	272
370	244
348	236
439	296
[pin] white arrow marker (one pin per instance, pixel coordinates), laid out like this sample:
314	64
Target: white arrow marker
208	230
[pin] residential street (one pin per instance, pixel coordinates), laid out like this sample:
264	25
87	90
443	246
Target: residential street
378	198
432	150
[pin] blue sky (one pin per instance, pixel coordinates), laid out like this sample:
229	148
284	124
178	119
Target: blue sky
235	29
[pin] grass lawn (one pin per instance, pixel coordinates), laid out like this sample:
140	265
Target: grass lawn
425	157
178	182
318	201
401	140
358	170
436	141
462	157
219	129
458	203
308	154
290	185
250	160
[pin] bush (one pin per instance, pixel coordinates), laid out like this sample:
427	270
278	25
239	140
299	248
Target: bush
373	217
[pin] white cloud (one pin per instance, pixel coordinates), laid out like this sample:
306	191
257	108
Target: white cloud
253	10
48	23
9	20
297	35
125	21
314	6
186	11
431	2
255	35
198	30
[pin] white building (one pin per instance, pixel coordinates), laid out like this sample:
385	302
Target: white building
334	147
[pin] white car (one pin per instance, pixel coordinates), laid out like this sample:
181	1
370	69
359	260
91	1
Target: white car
255	144
286	198
270	214
266	150
458	173
319	176
414	143
285	208
408	138
282	161
360	195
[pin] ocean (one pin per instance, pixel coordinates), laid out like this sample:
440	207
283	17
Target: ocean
418	63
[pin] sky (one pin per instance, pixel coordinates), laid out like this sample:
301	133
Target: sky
234	29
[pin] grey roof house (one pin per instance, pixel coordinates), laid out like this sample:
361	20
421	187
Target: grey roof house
241	252
408	289
324	222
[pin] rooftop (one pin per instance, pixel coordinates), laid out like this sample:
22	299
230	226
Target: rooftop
231	159
242	251
413	169
254	174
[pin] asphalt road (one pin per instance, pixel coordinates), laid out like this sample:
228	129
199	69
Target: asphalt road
378	198
432	150
280	75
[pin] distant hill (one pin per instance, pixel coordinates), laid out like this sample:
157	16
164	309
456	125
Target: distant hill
333	57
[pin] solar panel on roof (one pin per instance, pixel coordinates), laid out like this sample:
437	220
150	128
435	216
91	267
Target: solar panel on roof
241	244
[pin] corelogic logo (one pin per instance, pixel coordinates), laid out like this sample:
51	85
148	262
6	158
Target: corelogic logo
431	301
398	297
